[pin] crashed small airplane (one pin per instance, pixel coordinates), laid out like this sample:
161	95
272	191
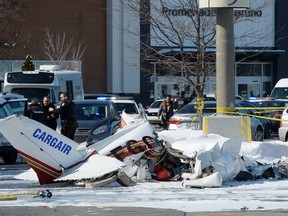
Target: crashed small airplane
55	157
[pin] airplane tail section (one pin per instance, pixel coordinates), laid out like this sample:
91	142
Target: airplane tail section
45	150
125	120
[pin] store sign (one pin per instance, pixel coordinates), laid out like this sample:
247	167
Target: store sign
175	23
209	12
224	3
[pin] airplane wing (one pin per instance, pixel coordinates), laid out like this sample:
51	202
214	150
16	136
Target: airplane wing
96	166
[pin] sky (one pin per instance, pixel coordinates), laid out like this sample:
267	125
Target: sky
261	194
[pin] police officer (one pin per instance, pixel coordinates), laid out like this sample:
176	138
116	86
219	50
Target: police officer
51	118
67	113
36	112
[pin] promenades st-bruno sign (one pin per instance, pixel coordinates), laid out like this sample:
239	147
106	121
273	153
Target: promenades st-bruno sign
254	27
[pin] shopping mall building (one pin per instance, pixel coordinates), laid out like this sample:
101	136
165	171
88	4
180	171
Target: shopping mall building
111	33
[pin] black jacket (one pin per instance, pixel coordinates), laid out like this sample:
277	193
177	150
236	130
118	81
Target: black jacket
37	113
67	111
51	117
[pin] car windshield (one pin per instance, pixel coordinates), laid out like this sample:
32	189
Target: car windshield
209	108
90	111
129	108
156	104
279	93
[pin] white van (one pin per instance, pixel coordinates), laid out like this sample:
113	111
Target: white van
48	80
280	90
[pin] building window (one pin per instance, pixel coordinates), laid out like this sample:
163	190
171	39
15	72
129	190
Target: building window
249	70
267	69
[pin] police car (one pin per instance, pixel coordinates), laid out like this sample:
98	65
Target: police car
97	119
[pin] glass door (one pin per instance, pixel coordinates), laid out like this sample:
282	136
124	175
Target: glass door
250	90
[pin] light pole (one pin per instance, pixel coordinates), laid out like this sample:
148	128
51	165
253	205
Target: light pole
231	125
225	60
225	51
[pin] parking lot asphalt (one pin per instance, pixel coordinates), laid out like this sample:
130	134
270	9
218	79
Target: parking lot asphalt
124	211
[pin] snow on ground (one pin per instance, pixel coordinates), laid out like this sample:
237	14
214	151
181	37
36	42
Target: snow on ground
263	194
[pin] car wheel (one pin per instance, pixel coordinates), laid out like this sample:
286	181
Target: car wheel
259	135
10	158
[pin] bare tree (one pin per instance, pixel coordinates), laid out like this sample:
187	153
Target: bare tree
182	37
11	26
59	48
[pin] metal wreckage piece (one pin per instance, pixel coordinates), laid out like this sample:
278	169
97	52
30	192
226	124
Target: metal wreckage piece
283	168
170	164
208	168
159	163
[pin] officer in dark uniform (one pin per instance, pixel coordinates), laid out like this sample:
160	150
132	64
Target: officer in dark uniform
51	117
36	112
67	112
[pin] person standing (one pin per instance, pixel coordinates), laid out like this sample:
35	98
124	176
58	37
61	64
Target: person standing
181	101
67	112
36	112
51	118
166	111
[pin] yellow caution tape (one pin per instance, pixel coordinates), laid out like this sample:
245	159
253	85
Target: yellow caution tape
225	110
243	127
246	128
7	197
231	110
199	104
13	195
23	193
